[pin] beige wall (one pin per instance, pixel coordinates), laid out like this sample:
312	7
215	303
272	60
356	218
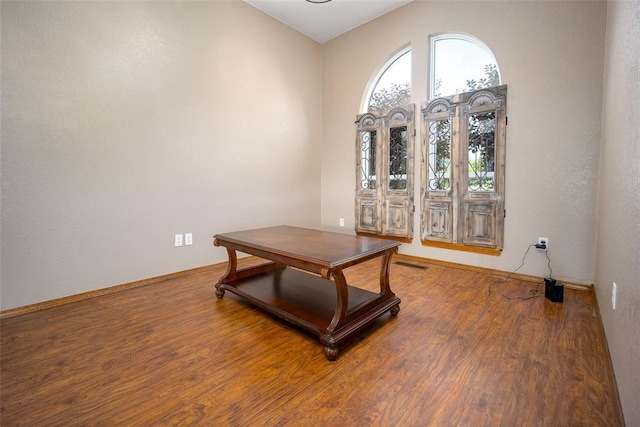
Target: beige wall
618	249
550	55
124	123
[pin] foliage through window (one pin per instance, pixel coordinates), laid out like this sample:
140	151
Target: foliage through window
392	87
461	63
481	145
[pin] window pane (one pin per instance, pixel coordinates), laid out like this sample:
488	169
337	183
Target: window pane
482	133
440	154
393	87
368	160
461	64
398	158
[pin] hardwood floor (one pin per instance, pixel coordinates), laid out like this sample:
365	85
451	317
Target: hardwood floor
466	349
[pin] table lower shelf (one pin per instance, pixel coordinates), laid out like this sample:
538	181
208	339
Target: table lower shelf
309	301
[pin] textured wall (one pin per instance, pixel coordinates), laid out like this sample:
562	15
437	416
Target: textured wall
124	123
550	55
618	250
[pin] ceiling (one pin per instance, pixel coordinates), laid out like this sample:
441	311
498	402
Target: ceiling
324	21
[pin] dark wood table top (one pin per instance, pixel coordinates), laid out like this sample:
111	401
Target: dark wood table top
323	248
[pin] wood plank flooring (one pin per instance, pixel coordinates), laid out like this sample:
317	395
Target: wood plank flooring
466	349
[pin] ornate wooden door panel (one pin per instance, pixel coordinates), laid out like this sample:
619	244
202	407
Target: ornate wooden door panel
437	220
367	217
479	225
398	221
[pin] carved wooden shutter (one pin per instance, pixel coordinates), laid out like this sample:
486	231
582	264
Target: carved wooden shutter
397	172
482	154
385	172
439	201
367	174
463	187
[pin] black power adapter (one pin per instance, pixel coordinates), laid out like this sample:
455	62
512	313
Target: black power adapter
553	291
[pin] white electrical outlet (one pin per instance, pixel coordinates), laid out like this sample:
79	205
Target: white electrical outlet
614	292
544	241
188	239
177	240
341	222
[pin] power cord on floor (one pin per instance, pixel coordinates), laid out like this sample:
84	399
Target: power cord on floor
546	252
536	292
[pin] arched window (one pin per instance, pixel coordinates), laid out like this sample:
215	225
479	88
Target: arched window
385	136
392	85
463	129
463	149
460	63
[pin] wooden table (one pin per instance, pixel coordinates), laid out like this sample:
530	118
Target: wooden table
322	303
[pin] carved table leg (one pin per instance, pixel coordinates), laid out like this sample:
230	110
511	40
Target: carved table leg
219	292
342	301
231	272
331	352
385	288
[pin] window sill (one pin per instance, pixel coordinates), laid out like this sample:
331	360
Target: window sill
379	236
465	248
